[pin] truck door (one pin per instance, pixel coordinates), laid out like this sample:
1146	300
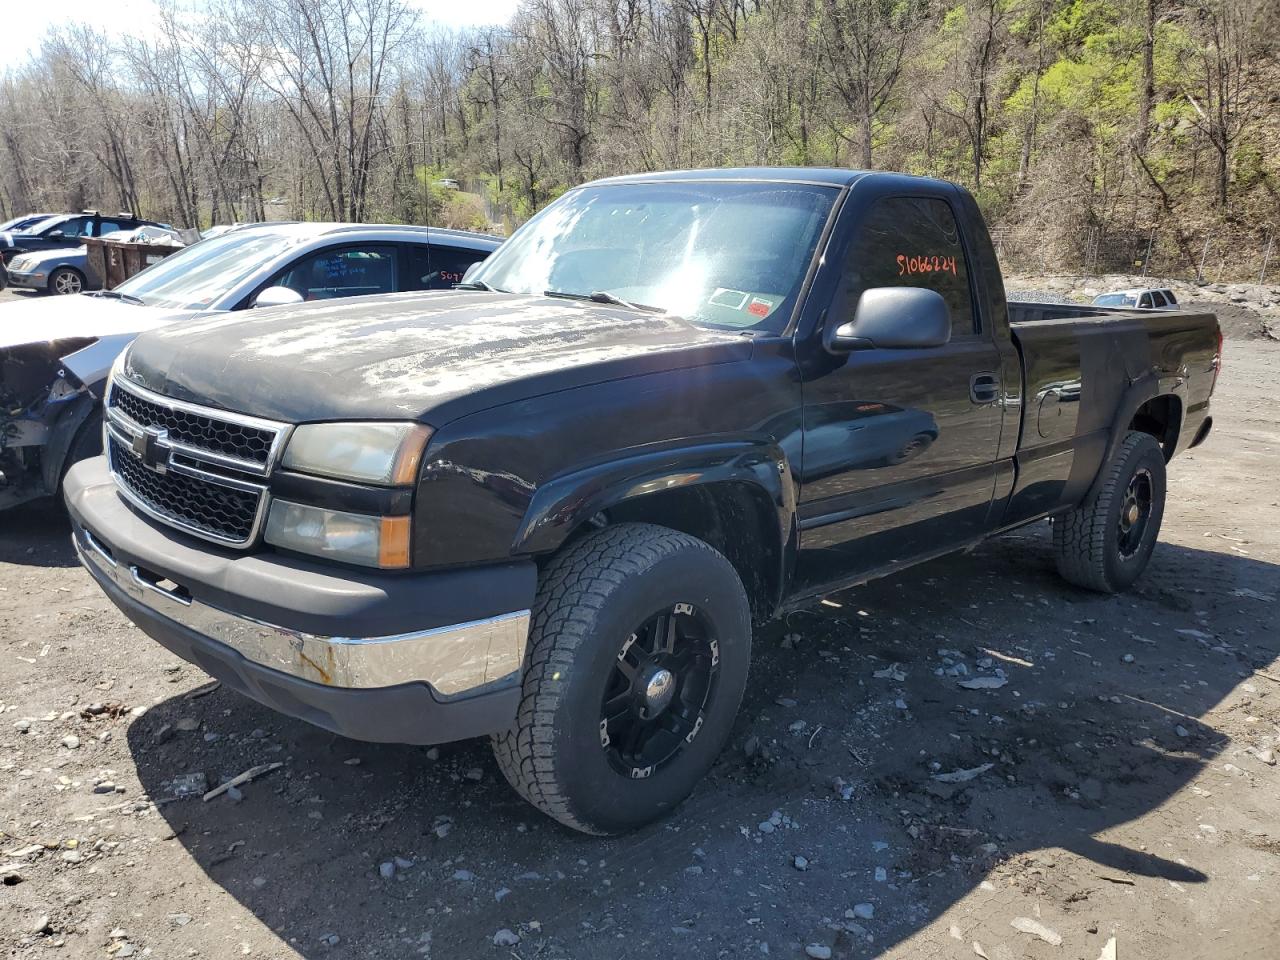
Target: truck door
900	445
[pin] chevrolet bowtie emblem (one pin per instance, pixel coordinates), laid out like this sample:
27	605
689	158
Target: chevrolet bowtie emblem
152	449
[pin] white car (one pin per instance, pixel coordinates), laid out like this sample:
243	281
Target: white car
1139	298
55	352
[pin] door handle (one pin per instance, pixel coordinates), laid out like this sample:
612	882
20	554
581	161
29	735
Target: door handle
984	388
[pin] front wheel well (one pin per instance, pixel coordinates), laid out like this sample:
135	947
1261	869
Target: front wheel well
1161	417
738	519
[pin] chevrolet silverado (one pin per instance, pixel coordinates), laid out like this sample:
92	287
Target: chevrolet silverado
549	505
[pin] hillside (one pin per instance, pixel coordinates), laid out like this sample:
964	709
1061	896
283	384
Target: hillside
1098	135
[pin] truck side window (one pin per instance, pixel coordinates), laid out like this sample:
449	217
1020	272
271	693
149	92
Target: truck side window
1145	302
912	242
440	267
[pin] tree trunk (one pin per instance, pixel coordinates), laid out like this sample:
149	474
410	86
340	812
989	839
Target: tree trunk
1147	89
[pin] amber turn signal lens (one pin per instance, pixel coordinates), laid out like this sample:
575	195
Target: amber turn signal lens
409	456
393	544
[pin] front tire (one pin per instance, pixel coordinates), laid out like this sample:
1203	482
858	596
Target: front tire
637	661
87	442
65	281
1106	543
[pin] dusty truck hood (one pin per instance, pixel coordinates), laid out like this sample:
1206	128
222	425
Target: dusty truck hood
431	356
40	319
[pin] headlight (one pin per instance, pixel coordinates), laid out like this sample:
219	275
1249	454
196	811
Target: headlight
386	454
18	263
117	368
351	537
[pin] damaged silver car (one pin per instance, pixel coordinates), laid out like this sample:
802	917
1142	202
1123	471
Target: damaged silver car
56	352
50	415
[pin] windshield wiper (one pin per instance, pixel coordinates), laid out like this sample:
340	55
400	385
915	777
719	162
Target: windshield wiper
117	295
603	296
476	285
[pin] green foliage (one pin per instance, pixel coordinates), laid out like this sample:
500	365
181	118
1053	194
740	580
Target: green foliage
1081	22
1047	93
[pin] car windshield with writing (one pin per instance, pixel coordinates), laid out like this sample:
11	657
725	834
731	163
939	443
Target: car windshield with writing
193	278
721	254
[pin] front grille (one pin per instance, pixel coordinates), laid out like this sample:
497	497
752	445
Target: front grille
196	468
201	506
217	435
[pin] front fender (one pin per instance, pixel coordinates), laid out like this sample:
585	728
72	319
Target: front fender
566	502
62	434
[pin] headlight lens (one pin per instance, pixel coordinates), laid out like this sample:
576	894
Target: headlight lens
117	370
382	453
350	537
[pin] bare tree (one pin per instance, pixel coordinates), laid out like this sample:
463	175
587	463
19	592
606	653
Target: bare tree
484	62
864	43
974	62
329	67
1216	80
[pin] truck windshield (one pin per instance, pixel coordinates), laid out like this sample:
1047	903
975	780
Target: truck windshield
721	254
1115	300
204	272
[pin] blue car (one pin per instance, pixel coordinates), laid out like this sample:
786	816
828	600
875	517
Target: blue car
61	271
65	230
26	220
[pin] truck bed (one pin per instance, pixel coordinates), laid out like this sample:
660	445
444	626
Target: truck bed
1082	366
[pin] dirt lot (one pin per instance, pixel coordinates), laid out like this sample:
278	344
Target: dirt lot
1124	794
14	295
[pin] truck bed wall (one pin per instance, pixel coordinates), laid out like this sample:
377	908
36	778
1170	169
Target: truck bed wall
1084	367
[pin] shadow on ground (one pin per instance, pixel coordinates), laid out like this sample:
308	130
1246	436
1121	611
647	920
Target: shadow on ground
37	534
1080	741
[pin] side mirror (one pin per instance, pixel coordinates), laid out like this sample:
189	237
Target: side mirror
56	234
277	297
471	271
893	318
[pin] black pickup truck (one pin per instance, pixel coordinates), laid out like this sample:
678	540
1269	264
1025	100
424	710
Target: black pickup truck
548	506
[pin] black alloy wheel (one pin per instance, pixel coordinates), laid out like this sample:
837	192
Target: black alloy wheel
658	691
638	653
1135	513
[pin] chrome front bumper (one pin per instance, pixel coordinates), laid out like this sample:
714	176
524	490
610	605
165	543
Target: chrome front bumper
454	660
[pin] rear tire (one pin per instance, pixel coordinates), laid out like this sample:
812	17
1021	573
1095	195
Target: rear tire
65	281
613	612
1106	543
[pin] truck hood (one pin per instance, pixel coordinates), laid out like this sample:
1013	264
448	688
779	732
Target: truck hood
41	319
432	356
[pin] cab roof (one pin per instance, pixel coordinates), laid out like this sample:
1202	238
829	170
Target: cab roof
823	176
306	230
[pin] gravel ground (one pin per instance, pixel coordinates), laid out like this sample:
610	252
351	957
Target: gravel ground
13	295
1246	311
1114	797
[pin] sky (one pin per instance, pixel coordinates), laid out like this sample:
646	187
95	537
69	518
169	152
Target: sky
26	22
